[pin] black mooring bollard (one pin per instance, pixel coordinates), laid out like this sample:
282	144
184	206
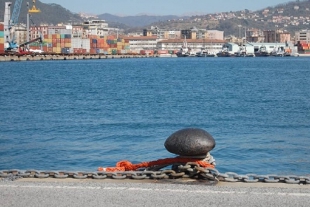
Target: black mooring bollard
190	142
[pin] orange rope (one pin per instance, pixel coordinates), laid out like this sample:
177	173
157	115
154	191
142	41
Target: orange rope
125	165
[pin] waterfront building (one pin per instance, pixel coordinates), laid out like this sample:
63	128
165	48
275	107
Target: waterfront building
302	36
77	31
269	46
161	34
215	35
141	43
36	31
95	27
230	47
21	33
254	35
194	44
276	36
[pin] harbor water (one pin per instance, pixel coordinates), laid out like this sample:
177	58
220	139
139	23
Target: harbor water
82	114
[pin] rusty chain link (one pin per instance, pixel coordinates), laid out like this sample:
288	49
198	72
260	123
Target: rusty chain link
189	170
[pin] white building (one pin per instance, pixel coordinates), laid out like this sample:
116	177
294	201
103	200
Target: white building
95	27
303	35
194	44
230	47
141	43
215	35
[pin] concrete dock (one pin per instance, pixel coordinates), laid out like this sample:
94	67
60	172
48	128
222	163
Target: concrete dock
113	193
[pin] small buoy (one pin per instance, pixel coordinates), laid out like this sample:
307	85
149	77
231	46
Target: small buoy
190	142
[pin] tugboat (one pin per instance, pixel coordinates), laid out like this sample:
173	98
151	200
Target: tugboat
225	53
205	53
244	53
185	51
262	52
280	53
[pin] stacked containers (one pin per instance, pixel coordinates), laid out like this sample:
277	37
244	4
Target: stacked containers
65	41
112	44
93	44
1	38
123	46
58	41
102	46
303	47
48	43
80	45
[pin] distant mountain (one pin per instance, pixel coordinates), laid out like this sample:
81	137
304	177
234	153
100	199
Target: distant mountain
136	21
50	13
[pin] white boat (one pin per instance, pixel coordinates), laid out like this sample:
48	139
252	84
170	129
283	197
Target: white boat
279	52
205	53
243	52
185	51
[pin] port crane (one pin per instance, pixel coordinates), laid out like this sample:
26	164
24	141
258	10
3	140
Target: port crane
12	44
13	21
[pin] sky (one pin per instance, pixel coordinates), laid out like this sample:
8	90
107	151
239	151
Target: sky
162	7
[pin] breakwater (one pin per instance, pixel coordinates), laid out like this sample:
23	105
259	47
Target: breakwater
6	58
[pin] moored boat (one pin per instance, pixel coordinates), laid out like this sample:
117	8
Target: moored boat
205	53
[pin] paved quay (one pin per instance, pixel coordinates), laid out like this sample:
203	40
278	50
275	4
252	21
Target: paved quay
113	193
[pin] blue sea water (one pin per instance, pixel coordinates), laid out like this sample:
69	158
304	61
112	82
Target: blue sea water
82	114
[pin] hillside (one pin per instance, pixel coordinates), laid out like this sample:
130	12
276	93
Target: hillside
290	17
50	13
136	21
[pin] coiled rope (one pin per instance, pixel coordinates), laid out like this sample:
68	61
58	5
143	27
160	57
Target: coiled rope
125	165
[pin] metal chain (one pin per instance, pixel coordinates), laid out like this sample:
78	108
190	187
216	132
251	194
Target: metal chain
189	170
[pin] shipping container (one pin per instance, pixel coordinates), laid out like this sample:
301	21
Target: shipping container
93	51
114	52
162	51
1	27
146	52
48	40
44	48
56	49
1	34
65	50
68	45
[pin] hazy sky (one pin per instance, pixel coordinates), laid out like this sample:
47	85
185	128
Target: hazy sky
162	7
